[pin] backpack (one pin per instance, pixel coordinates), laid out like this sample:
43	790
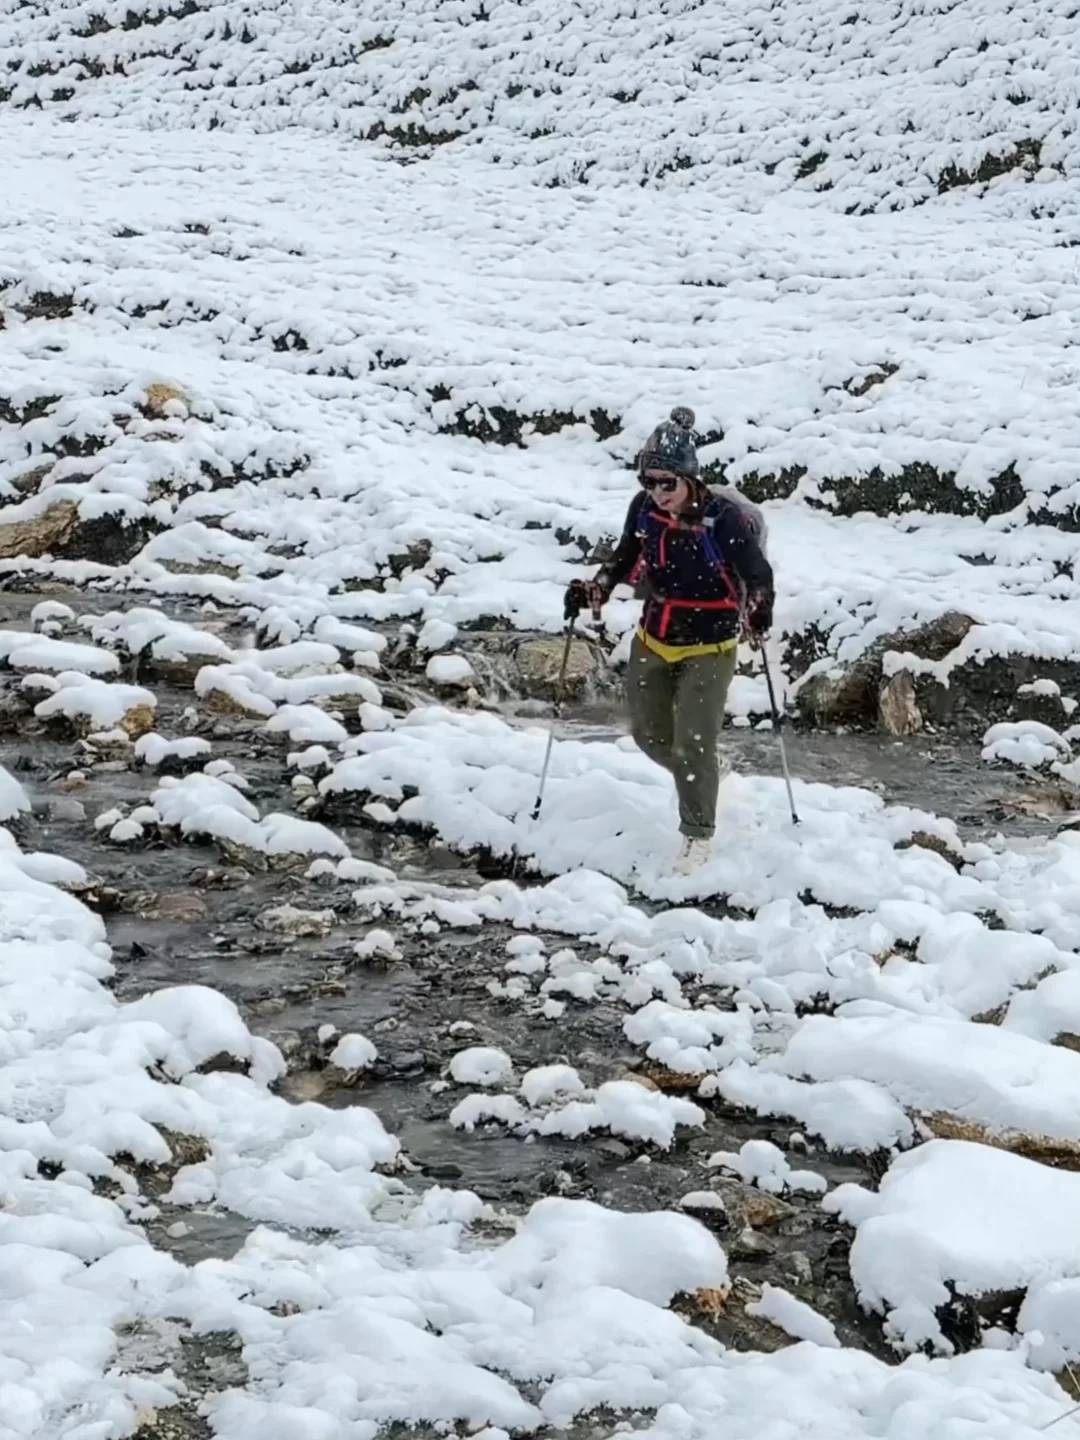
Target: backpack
759	529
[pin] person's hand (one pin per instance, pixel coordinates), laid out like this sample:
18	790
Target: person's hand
757	620
584	594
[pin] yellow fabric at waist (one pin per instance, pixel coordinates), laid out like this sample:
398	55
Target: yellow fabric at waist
673	653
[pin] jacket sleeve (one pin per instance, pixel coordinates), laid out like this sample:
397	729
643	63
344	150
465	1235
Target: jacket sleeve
628	550
739	546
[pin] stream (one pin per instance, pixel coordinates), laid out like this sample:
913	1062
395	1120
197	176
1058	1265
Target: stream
179	914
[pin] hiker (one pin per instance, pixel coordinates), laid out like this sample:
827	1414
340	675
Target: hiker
698	552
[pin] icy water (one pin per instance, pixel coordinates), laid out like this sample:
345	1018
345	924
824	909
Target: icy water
179	914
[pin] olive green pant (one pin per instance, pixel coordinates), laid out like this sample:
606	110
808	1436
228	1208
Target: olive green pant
676	711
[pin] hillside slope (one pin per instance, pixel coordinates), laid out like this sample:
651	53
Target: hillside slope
880	105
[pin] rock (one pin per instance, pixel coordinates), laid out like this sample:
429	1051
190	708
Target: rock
540	661
186	1149
841	696
162	401
179	907
295	923
44	534
940	846
898	714
676	1082
63	807
179	672
859	695
799	1269
750	1245
222	703
300	1086
752	1208
254	860
29	482
1048	1149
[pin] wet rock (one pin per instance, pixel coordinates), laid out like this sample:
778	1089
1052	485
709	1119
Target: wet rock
15	706
179	907
898	714
44	534
799	1269
223	1064
301	1086
539	663
65	808
180	1422
1044	801
290	921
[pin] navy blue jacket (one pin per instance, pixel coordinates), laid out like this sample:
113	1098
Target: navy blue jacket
700	570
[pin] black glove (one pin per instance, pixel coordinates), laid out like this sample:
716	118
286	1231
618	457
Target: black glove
581	595
758	617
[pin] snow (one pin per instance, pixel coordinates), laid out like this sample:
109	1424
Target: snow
39	653
956	1213
449	670
624	1108
202	804
306	725
46	611
621	225
153	749
1025	742
476	1110
1051	1009
761	1163
793	1315
99	704
547	1083
354	1052
993	1076
14	800
481	1065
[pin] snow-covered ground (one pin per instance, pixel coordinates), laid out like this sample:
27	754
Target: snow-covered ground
346	392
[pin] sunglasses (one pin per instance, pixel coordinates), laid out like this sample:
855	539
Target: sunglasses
664	483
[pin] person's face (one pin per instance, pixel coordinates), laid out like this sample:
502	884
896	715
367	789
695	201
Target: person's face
668	491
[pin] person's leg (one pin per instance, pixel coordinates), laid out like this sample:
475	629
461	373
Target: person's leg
701	686
650	694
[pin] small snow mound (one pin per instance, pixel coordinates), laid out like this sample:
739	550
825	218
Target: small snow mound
450	670
474	1110
546	1083
761	1163
50	610
354	1052
624	1108
793	1316
306	725
153	749
481	1065
1026	743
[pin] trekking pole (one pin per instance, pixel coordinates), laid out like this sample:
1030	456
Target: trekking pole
778	720
571	610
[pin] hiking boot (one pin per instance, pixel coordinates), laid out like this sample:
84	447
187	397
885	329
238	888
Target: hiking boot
693	855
